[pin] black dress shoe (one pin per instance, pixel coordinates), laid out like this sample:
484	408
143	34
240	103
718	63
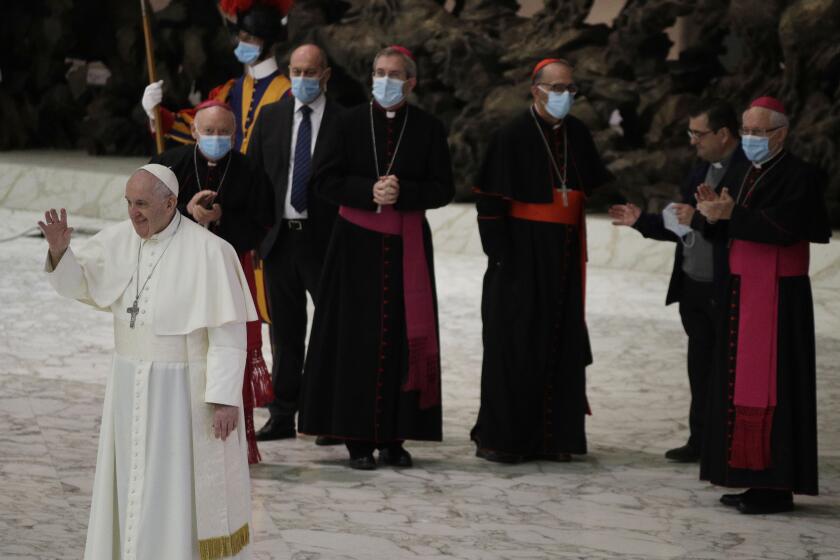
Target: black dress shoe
684	454
732	500
363	463
498	456
396	457
327	440
275	430
760	501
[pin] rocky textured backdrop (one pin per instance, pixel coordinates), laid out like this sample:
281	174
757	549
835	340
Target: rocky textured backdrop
73	71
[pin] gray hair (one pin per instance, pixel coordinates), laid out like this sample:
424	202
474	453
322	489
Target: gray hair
409	65
161	190
778	120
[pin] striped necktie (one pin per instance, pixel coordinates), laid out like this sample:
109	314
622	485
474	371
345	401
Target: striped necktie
302	166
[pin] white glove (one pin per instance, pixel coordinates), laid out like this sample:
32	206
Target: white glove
152	96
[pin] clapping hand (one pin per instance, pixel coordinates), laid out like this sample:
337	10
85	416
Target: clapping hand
55	230
705	193
719	209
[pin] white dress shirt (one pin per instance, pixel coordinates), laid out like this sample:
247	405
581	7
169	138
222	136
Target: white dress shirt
315	118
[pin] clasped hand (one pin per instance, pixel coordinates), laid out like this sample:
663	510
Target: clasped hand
386	190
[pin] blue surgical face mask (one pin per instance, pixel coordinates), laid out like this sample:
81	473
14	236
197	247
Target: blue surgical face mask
559	104
214	147
306	90
247	53
756	148
388	91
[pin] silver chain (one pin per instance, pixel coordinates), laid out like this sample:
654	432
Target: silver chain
396	149
137	289
561	176
198	181
760	177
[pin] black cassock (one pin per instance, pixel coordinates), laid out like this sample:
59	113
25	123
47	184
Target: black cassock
780	204
536	345
245	203
357	360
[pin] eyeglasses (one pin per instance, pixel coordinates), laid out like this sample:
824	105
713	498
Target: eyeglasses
560	88
698	134
758	131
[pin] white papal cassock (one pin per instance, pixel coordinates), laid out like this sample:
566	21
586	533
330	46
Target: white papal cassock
165	487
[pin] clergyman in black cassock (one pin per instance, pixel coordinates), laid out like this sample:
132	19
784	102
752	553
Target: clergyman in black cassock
762	424
223	191
372	375
531	192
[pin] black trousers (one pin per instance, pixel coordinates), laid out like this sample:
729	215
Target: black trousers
291	269
697	311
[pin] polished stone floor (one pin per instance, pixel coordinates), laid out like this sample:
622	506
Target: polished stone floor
623	500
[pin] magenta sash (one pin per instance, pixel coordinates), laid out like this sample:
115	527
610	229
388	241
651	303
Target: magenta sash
420	323
760	266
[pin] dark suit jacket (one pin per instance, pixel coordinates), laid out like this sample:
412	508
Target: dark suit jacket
269	148
652	226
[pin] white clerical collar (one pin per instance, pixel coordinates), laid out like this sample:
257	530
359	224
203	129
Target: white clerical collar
262	69
317	105
169	230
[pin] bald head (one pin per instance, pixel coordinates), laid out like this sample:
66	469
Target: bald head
308	56
214	121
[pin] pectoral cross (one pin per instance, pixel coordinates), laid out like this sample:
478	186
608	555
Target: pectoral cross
133	311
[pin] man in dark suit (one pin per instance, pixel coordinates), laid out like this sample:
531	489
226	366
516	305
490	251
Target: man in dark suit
286	139
700	260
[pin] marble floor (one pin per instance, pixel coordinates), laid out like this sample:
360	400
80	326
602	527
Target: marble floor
623	500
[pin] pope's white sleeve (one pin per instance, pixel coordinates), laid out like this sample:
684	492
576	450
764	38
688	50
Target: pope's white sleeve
68	278
226	364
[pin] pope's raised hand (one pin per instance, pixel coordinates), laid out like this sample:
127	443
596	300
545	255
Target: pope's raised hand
57	232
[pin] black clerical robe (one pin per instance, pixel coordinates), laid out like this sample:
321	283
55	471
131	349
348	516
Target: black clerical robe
536	345
241	193
246	217
779	206
357	362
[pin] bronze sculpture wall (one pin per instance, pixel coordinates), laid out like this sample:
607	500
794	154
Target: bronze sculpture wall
474	58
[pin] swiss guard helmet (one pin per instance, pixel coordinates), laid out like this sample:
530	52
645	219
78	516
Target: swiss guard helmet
264	19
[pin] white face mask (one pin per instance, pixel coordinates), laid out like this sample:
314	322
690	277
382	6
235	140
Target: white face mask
388	91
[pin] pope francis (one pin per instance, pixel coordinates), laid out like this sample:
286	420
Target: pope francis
171	472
